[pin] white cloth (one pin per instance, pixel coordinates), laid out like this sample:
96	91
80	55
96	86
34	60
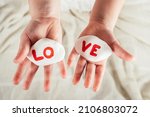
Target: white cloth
122	80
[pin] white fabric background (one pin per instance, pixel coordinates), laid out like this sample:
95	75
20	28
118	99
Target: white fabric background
122	80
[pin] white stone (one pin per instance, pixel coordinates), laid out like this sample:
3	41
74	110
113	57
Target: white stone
45	52
92	48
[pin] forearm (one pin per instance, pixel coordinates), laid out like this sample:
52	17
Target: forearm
106	12
44	8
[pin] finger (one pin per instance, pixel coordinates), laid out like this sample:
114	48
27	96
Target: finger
19	72
30	74
62	68
24	48
98	76
120	52
47	75
79	69
72	56
90	73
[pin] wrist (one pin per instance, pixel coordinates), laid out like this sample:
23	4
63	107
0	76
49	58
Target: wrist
102	23
45	15
44	8
46	19
106	12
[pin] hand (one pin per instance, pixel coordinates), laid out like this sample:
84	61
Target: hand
96	70
35	30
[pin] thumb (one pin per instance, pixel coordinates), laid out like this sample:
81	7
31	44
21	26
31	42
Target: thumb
24	48
121	52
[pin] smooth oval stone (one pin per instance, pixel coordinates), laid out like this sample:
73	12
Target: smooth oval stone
92	48
45	52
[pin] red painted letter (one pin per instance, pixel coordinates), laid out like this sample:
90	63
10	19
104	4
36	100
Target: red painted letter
94	49
35	57
84	46
51	52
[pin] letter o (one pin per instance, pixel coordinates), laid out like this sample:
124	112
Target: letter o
51	52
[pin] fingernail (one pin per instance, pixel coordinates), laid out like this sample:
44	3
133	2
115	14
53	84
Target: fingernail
133	58
86	86
15	82
74	82
64	76
68	65
25	87
46	89
95	89
16	60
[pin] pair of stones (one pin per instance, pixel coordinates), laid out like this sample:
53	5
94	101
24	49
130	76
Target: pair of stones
47	51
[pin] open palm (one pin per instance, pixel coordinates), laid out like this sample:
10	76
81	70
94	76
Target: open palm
35	30
96	70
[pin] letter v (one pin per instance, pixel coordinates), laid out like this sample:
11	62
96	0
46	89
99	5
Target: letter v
35	57
84	46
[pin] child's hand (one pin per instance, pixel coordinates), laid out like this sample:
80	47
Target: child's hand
35	30
96	70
